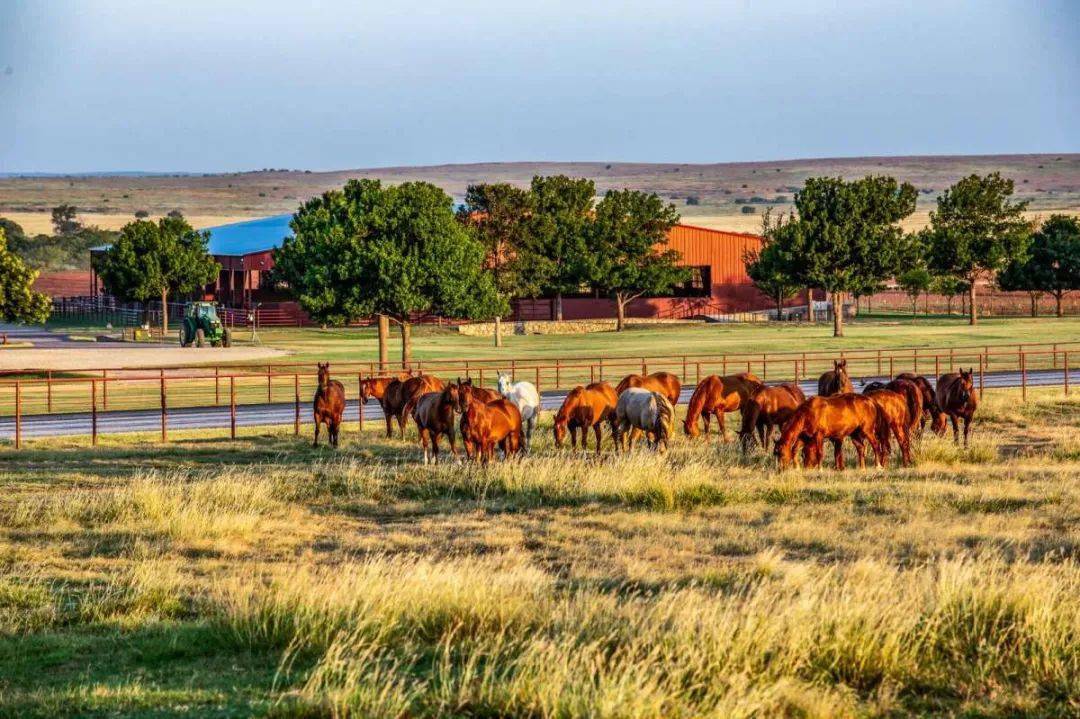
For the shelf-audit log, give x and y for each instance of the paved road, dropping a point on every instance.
(250, 415)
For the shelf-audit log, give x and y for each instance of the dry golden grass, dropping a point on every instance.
(35, 223)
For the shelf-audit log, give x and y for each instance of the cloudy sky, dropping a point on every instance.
(103, 85)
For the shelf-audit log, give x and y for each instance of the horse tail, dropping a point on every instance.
(665, 418)
(624, 384)
(914, 405)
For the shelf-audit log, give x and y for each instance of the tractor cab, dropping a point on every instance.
(202, 326)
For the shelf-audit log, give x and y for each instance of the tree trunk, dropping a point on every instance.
(164, 314)
(384, 340)
(810, 316)
(1057, 301)
(973, 312)
(838, 314)
(498, 331)
(558, 307)
(1034, 306)
(915, 307)
(620, 313)
(948, 306)
(779, 308)
(406, 344)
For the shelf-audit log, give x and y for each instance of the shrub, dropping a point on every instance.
(748, 209)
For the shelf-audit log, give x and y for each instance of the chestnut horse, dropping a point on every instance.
(644, 411)
(482, 393)
(402, 395)
(485, 424)
(716, 395)
(835, 381)
(329, 405)
(769, 407)
(584, 408)
(893, 407)
(434, 416)
(665, 383)
(931, 410)
(914, 396)
(375, 388)
(832, 418)
(956, 397)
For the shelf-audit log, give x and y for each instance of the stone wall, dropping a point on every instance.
(567, 327)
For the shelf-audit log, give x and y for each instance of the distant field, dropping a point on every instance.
(34, 223)
(1050, 182)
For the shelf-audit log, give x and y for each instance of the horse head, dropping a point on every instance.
(503, 383)
(324, 374)
(840, 367)
(966, 385)
(451, 394)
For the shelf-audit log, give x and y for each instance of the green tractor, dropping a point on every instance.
(201, 326)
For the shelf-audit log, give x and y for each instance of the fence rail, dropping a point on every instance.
(88, 398)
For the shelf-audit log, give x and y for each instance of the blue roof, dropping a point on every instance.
(242, 238)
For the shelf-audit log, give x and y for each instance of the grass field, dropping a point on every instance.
(209, 578)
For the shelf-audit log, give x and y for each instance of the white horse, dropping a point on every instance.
(646, 411)
(526, 399)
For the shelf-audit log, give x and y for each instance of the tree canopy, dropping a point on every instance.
(65, 220)
(556, 249)
(1052, 264)
(18, 301)
(772, 268)
(915, 282)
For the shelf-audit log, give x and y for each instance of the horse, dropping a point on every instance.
(329, 405)
(376, 387)
(835, 381)
(931, 410)
(585, 407)
(956, 397)
(833, 418)
(665, 383)
(871, 386)
(716, 395)
(769, 407)
(914, 396)
(483, 393)
(526, 399)
(434, 416)
(485, 424)
(400, 398)
(894, 410)
(644, 410)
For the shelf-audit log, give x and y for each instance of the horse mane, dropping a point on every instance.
(665, 417)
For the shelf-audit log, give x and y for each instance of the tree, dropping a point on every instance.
(395, 251)
(18, 301)
(64, 220)
(175, 213)
(948, 287)
(624, 242)
(141, 214)
(14, 232)
(846, 236)
(555, 253)
(976, 231)
(500, 216)
(914, 282)
(1055, 257)
(155, 260)
(771, 268)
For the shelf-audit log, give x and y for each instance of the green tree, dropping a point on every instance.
(500, 216)
(1023, 276)
(65, 220)
(395, 251)
(847, 235)
(771, 268)
(14, 232)
(556, 250)
(1055, 257)
(18, 301)
(948, 286)
(624, 248)
(155, 260)
(976, 231)
(914, 282)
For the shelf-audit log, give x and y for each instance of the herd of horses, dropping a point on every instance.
(644, 405)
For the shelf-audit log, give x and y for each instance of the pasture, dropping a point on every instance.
(215, 578)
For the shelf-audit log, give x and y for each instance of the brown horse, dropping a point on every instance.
(931, 410)
(329, 405)
(401, 396)
(485, 424)
(716, 395)
(665, 383)
(832, 418)
(914, 396)
(482, 393)
(893, 407)
(376, 388)
(956, 397)
(769, 407)
(835, 381)
(585, 407)
(434, 416)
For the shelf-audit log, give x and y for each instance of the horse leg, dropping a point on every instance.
(389, 417)
(904, 441)
(860, 450)
(435, 446)
(723, 424)
(424, 444)
(706, 421)
(838, 453)
(335, 428)
(597, 430)
(967, 429)
(573, 438)
(316, 442)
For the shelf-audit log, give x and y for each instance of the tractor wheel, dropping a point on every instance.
(200, 338)
(226, 338)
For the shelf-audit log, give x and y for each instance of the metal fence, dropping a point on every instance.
(218, 397)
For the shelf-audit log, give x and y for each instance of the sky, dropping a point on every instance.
(214, 86)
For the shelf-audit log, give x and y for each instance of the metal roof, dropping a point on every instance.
(244, 238)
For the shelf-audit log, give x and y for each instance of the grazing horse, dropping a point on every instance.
(400, 398)
(485, 424)
(716, 395)
(376, 388)
(665, 383)
(956, 396)
(893, 407)
(914, 396)
(871, 386)
(482, 393)
(931, 410)
(584, 408)
(832, 418)
(526, 399)
(329, 405)
(643, 410)
(835, 381)
(769, 407)
(434, 416)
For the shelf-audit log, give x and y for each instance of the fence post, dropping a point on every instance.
(915, 358)
(797, 372)
(891, 374)
(724, 366)
(644, 367)
(232, 406)
(269, 387)
(1023, 376)
(601, 369)
(359, 401)
(684, 367)
(1066, 359)
(937, 365)
(164, 409)
(105, 389)
(217, 386)
(93, 412)
(481, 376)
(1054, 366)
(537, 378)
(48, 390)
(764, 367)
(513, 370)
(878, 362)
(296, 404)
(697, 372)
(18, 415)
(983, 362)
(558, 373)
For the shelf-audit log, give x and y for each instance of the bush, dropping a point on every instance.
(693, 200)
(749, 209)
(141, 214)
